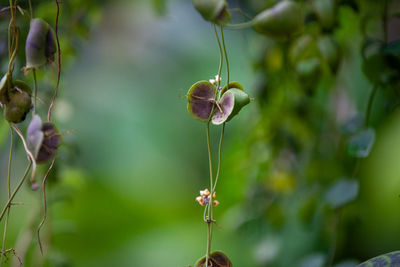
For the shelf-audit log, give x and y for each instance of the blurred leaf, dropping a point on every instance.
(313, 260)
(392, 48)
(160, 6)
(391, 259)
(342, 192)
(347, 263)
(352, 125)
(373, 67)
(360, 145)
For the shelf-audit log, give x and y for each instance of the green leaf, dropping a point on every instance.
(233, 84)
(230, 103)
(392, 48)
(360, 145)
(391, 259)
(342, 192)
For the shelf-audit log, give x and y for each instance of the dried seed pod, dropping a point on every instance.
(43, 139)
(19, 102)
(213, 10)
(217, 258)
(18, 107)
(40, 44)
(282, 21)
(231, 103)
(201, 100)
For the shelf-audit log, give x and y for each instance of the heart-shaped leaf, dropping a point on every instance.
(342, 192)
(360, 145)
(391, 259)
(201, 99)
(230, 104)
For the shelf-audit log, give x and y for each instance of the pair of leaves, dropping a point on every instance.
(201, 101)
(217, 259)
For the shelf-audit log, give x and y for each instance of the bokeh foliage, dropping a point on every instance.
(301, 177)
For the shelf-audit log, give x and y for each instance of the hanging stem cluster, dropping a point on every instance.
(43, 138)
(210, 218)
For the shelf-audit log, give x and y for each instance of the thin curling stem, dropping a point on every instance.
(219, 156)
(44, 205)
(29, 154)
(34, 92)
(210, 210)
(30, 8)
(9, 195)
(226, 55)
(59, 64)
(239, 26)
(221, 60)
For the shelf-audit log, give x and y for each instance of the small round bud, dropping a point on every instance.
(280, 21)
(35, 187)
(213, 10)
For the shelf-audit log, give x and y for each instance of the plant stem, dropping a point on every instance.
(239, 26)
(210, 211)
(10, 199)
(59, 64)
(9, 194)
(220, 63)
(44, 205)
(219, 156)
(226, 55)
(30, 8)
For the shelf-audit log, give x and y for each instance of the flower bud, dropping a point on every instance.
(213, 10)
(281, 21)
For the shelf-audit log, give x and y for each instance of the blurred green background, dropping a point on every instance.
(123, 191)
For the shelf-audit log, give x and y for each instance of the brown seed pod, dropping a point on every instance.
(43, 139)
(18, 102)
